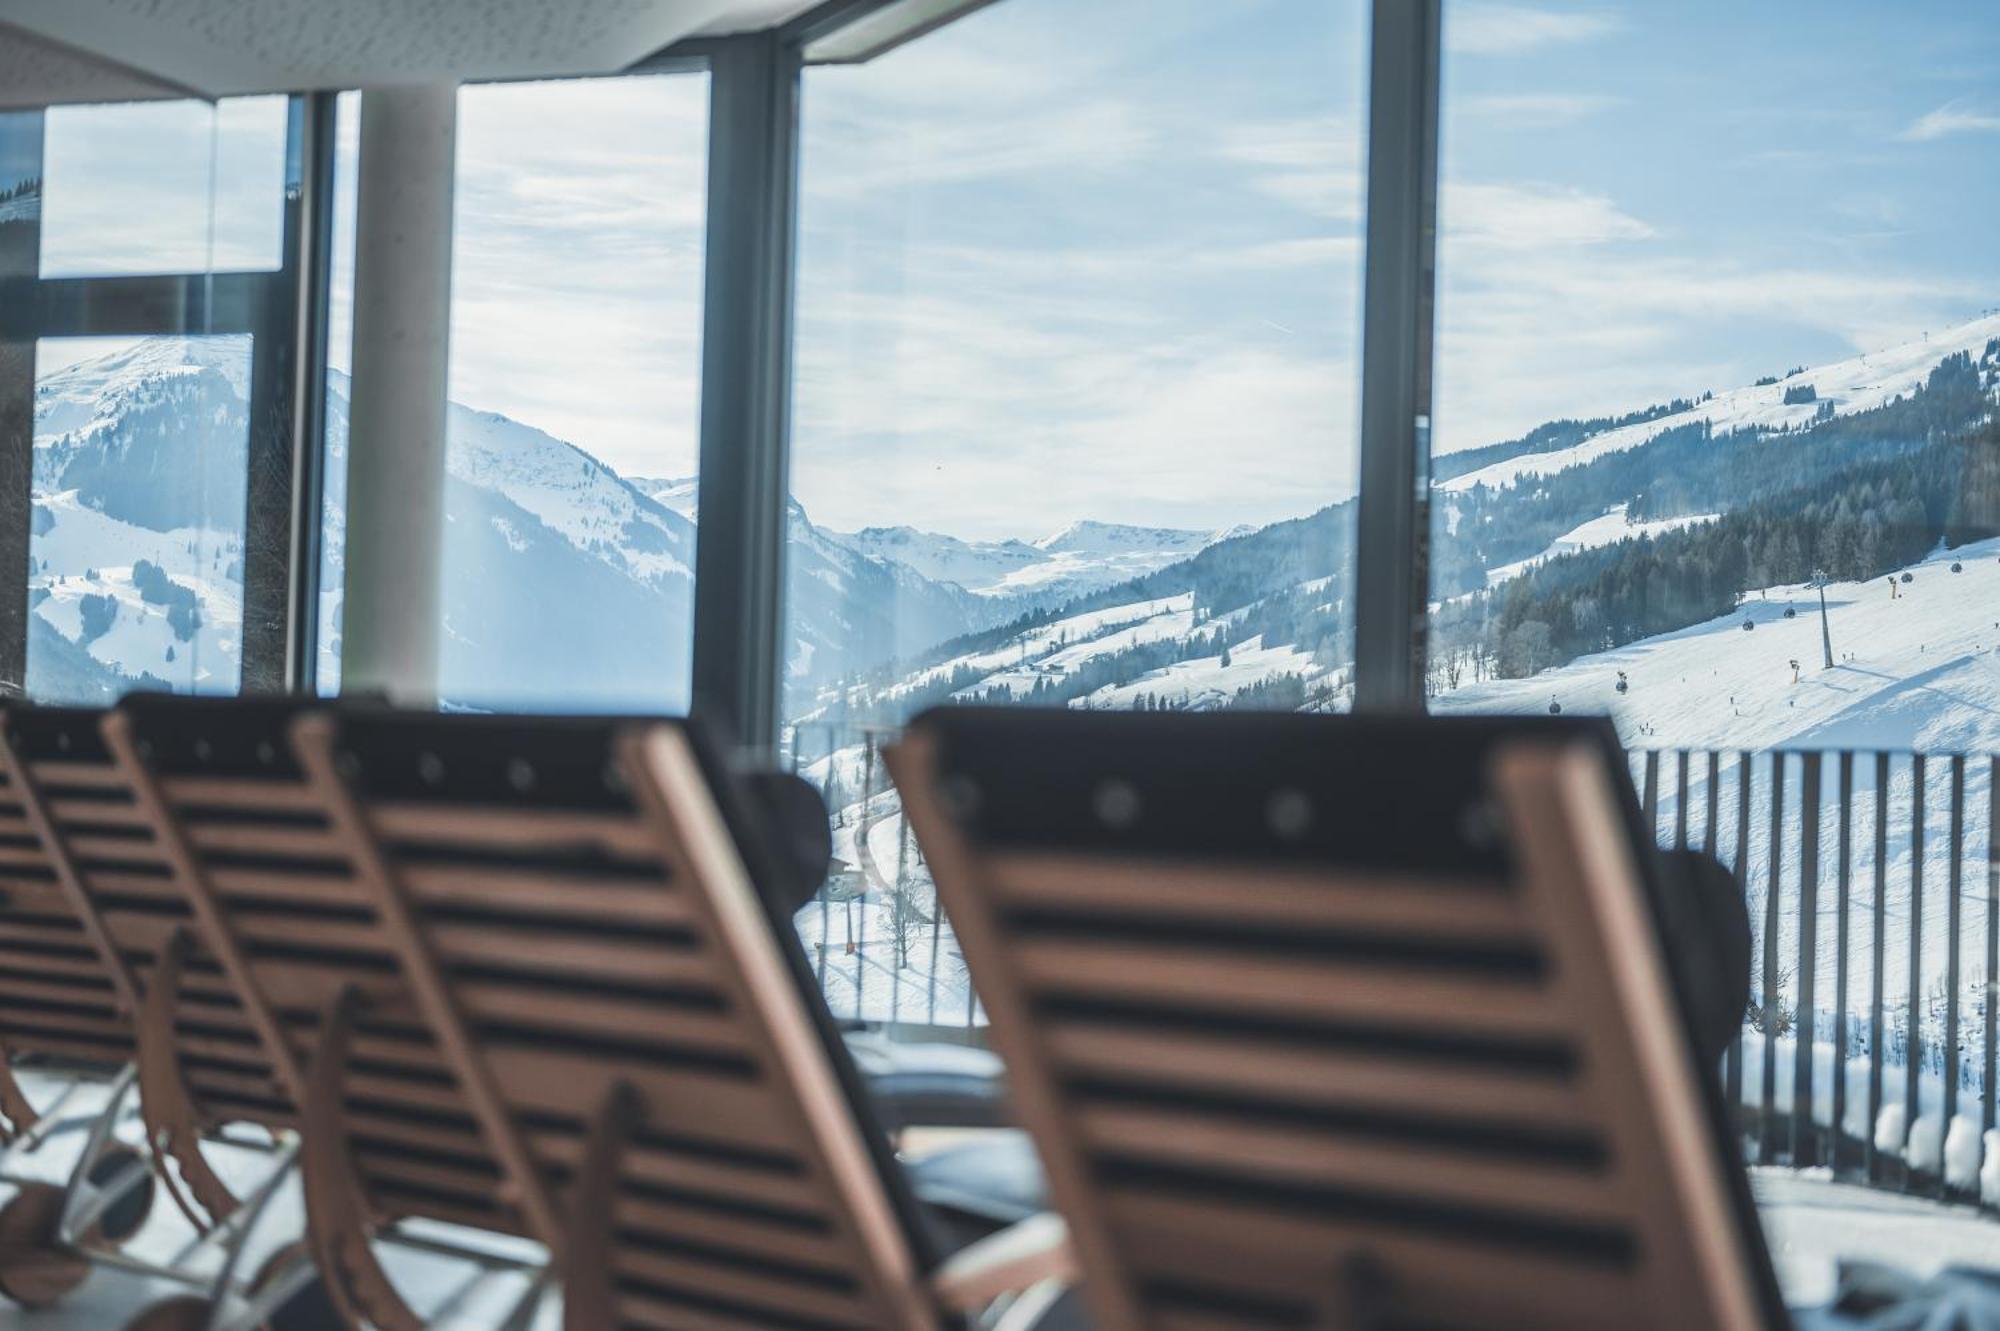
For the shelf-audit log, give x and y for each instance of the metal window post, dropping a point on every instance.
(20, 266)
(739, 631)
(1392, 589)
(281, 525)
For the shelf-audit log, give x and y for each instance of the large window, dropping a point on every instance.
(143, 389)
(575, 366)
(1716, 324)
(1075, 403)
(1717, 365)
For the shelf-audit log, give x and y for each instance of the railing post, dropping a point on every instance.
(1844, 876)
(1682, 759)
(1734, 1074)
(1804, 1028)
(1913, 1050)
(1880, 944)
(1987, 1070)
(1651, 799)
(1954, 919)
(1768, 1015)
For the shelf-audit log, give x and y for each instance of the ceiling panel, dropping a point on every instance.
(225, 47)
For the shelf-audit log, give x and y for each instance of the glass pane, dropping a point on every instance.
(164, 187)
(1075, 405)
(1716, 362)
(136, 554)
(575, 376)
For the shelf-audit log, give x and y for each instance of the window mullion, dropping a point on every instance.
(1391, 560)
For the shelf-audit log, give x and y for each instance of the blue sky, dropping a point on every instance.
(1102, 259)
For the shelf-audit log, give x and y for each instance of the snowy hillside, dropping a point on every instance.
(1843, 388)
(1607, 529)
(1920, 669)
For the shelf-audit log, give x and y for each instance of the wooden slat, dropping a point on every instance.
(1309, 1075)
(546, 893)
(724, 1110)
(770, 1292)
(524, 951)
(52, 773)
(511, 828)
(263, 796)
(221, 838)
(1160, 890)
(1364, 1164)
(1213, 978)
(1279, 1254)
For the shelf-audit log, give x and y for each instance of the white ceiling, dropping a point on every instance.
(220, 48)
(35, 72)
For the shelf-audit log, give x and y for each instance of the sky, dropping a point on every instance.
(1103, 260)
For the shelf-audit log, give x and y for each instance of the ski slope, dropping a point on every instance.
(1919, 670)
(1858, 384)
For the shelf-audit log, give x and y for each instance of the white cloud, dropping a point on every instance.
(1534, 110)
(1952, 118)
(1529, 336)
(1004, 393)
(1532, 217)
(1315, 165)
(577, 263)
(1477, 27)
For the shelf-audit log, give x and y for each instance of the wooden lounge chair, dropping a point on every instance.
(267, 875)
(576, 905)
(1335, 1022)
(77, 944)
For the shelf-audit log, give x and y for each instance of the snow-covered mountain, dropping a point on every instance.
(553, 558)
(1083, 557)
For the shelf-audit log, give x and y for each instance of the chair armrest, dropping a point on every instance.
(1028, 1253)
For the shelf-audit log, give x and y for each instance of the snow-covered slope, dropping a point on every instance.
(1917, 670)
(1857, 384)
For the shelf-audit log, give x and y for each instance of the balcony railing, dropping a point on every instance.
(1870, 1042)
(1873, 880)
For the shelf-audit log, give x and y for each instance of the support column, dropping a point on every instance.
(392, 619)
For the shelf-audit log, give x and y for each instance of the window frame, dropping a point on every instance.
(755, 83)
(283, 311)
(739, 641)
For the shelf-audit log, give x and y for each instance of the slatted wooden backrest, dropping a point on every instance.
(583, 905)
(124, 882)
(270, 877)
(1330, 1022)
(61, 995)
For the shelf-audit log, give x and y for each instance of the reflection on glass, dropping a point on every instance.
(1075, 403)
(136, 555)
(164, 187)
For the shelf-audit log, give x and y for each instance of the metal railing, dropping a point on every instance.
(1873, 880)
(882, 950)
